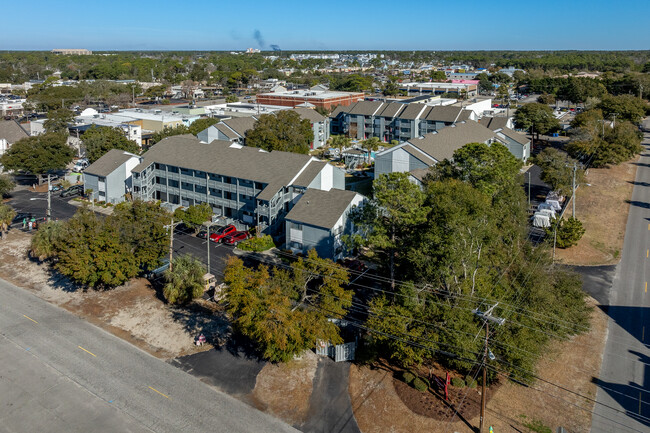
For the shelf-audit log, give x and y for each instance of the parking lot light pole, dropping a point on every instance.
(49, 199)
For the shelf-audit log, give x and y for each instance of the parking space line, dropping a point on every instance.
(155, 390)
(27, 317)
(87, 351)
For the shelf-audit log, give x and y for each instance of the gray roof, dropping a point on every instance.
(341, 109)
(494, 123)
(419, 173)
(276, 168)
(514, 135)
(365, 108)
(240, 125)
(448, 114)
(412, 111)
(109, 162)
(442, 144)
(309, 173)
(392, 109)
(227, 131)
(12, 131)
(321, 208)
(419, 155)
(310, 114)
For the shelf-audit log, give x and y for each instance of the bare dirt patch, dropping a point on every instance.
(381, 405)
(603, 210)
(284, 390)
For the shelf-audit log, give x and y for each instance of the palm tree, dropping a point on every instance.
(370, 145)
(185, 281)
(339, 142)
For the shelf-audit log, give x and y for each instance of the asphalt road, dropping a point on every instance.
(624, 381)
(60, 373)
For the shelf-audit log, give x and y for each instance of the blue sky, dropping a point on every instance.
(328, 25)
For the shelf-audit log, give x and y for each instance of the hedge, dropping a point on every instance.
(408, 376)
(458, 382)
(257, 244)
(419, 384)
(470, 382)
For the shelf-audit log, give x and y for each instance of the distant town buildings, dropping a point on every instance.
(72, 51)
(318, 96)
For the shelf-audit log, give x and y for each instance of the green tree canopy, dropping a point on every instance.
(58, 120)
(6, 185)
(99, 140)
(287, 312)
(557, 170)
(169, 132)
(44, 241)
(38, 154)
(194, 216)
(626, 107)
(184, 280)
(283, 130)
(536, 117)
(201, 124)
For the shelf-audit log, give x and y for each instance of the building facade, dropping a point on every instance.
(110, 176)
(316, 96)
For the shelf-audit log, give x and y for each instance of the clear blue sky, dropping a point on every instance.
(326, 25)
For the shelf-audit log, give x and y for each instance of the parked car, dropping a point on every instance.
(235, 238)
(73, 190)
(354, 265)
(222, 232)
(202, 234)
(56, 187)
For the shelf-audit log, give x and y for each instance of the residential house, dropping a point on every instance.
(518, 144)
(110, 176)
(320, 125)
(244, 183)
(319, 219)
(233, 130)
(10, 132)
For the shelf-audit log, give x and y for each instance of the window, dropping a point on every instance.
(295, 226)
(244, 182)
(187, 186)
(243, 197)
(215, 177)
(187, 172)
(259, 185)
(172, 169)
(200, 189)
(173, 183)
(215, 192)
(200, 174)
(161, 180)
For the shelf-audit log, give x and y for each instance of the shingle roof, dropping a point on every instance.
(414, 111)
(225, 130)
(309, 173)
(11, 131)
(321, 208)
(227, 159)
(444, 143)
(494, 123)
(341, 109)
(419, 155)
(448, 114)
(392, 109)
(365, 108)
(109, 162)
(419, 173)
(514, 135)
(240, 124)
(307, 113)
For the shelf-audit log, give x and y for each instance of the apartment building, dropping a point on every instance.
(244, 183)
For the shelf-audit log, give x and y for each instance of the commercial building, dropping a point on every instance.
(10, 132)
(317, 96)
(90, 117)
(243, 183)
(467, 90)
(72, 51)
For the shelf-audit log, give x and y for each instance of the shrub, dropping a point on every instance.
(419, 384)
(458, 382)
(257, 244)
(408, 376)
(469, 380)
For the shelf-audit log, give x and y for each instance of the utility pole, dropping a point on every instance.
(487, 354)
(49, 200)
(640, 91)
(171, 228)
(529, 188)
(573, 195)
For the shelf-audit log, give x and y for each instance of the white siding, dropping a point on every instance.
(400, 161)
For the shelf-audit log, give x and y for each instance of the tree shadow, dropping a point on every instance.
(633, 397)
(631, 319)
(633, 182)
(641, 164)
(637, 203)
(58, 281)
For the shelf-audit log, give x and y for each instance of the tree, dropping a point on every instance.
(546, 98)
(7, 215)
(155, 91)
(386, 221)
(626, 107)
(339, 142)
(391, 88)
(231, 98)
(201, 124)
(537, 118)
(44, 241)
(489, 168)
(557, 170)
(169, 132)
(370, 145)
(99, 140)
(58, 120)
(287, 312)
(184, 281)
(438, 76)
(617, 145)
(142, 228)
(283, 130)
(38, 154)
(194, 216)
(6, 185)
(568, 233)
(90, 252)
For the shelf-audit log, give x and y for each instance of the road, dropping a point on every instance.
(624, 381)
(60, 373)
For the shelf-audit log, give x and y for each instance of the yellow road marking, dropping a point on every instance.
(647, 253)
(87, 351)
(646, 287)
(154, 389)
(27, 317)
